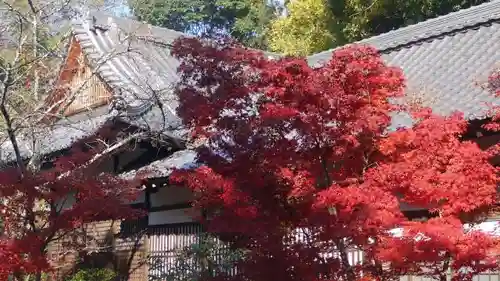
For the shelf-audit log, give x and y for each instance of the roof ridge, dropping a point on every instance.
(144, 30)
(459, 20)
(158, 30)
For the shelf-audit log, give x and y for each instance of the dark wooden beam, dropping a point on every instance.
(150, 155)
(418, 214)
(147, 202)
(171, 207)
(475, 129)
(116, 163)
(173, 227)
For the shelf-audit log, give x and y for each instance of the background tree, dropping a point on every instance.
(305, 30)
(337, 22)
(245, 20)
(301, 168)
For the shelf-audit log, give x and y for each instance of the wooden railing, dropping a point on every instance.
(186, 249)
(166, 243)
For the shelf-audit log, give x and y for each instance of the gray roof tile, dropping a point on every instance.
(59, 136)
(183, 159)
(132, 58)
(64, 133)
(446, 59)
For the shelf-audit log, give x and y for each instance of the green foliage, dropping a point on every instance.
(317, 25)
(304, 31)
(94, 274)
(33, 277)
(362, 18)
(245, 20)
(251, 29)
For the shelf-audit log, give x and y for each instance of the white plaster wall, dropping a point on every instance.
(170, 195)
(491, 227)
(171, 216)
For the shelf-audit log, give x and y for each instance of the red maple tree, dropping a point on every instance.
(50, 206)
(493, 86)
(301, 167)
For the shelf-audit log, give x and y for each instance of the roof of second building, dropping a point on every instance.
(446, 59)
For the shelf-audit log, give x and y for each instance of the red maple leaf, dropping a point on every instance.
(301, 168)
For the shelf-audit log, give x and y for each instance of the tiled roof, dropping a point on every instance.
(183, 159)
(444, 59)
(134, 60)
(62, 134)
(131, 57)
(59, 136)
